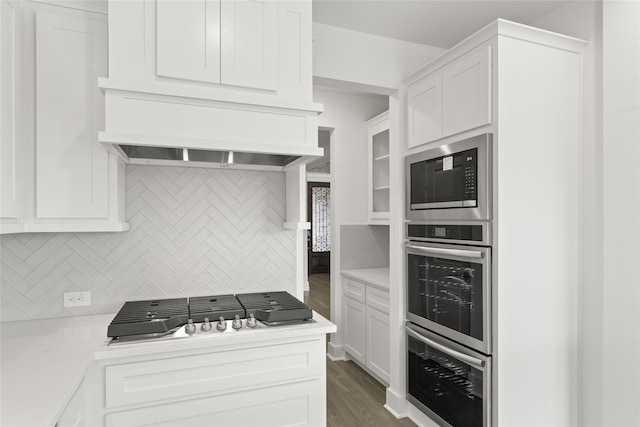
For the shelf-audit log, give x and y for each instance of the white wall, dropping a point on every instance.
(610, 296)
(345, 114)
(371, 63)
(621, 219)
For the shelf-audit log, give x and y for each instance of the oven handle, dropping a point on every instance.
(442, 251)
(453, 353)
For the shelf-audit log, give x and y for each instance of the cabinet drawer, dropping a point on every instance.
(378, 299)
(300, 404)
(177, 377)
(353, 289)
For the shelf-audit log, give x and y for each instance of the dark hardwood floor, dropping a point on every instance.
(354, 398)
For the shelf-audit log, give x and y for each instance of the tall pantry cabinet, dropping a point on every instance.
(522, 85)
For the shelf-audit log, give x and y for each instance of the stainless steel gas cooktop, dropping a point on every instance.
(183, 317)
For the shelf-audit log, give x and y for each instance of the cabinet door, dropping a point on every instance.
(378, 159)
(10, 191)
(354, 329)
(425, 110)
(249, 43)
(300, 403)
(378, 343)
(72, 167)
(467, 92)
(189, 39)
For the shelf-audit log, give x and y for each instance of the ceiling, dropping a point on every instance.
(432, 22)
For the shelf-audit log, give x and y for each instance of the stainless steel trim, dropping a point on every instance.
(445, 252)
(485, 344)
(483, 206)
(453, 353)
(486, 232)
(440, 205)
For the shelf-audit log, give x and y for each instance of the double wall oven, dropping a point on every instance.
(449, 286)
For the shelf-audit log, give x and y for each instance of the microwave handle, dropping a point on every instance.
(453, 353)
(442, 251)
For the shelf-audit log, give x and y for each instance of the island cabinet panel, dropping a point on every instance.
(285, 405)
(178, 377)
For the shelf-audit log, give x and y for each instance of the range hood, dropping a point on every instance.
(188, 157)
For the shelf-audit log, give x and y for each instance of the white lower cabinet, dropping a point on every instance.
(279, 382)
(366, 326)
(355, 329)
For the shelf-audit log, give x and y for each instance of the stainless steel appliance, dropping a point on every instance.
(447, 381)
(164, 319)
(449, 286)
(451, 182)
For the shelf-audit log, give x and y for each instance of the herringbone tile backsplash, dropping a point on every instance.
(193, 232)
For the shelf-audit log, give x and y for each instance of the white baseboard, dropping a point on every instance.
(396, 404)
(336, 352)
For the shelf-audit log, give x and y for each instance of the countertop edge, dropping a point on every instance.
(378, 277)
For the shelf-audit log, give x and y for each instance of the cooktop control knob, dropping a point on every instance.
(221, 325)
(206, 325)
(251, 321)
(237, 323)
(190, 328)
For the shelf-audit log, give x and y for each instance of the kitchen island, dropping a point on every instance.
(67, 370)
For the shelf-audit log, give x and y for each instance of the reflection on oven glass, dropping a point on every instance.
(447, 292)
(447, 386)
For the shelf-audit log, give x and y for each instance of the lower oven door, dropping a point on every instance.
(449, 291)
(447, 381)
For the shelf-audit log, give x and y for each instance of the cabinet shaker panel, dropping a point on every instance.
(467, 92)
(355, 333)
(72, 167)
(189, 40)
(249, 44)
(425, 110)
(10, 203)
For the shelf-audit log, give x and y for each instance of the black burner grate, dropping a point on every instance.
(213, 307)
(275, 307)
(149, 317)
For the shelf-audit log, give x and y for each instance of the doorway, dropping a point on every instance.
(319, 237)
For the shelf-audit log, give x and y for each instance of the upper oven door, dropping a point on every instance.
(449, 291)
(450, 182)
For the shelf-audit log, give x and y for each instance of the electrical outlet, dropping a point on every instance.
(77, 299)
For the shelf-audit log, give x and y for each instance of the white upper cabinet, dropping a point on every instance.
(249, 47)
(212, 75)
(425, 110)
(378, 162)
(466, 89)
(72, 167)
(68, 181)
(189, 40)
(452, 99)
(10, 151)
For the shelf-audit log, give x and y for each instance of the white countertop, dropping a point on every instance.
(378, 277)
(44, 361)
(42, 364)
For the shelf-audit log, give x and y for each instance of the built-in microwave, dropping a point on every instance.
(451, 182)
